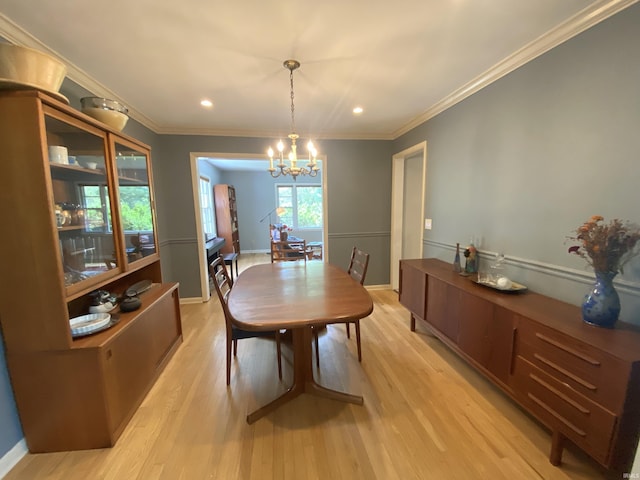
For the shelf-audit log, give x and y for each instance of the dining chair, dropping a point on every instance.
(284, 251)
(223, 285)
(357, 270)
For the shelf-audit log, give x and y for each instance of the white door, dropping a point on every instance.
(407, 206)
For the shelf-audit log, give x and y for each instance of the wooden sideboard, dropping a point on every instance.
(581, 381)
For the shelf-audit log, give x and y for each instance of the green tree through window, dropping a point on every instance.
(303, 204)
(135, 207)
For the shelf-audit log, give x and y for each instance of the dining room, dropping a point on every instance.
(425, 413)
(561, 124)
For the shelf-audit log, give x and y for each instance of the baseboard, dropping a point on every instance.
(12, 457)
(188, 300)
(378, 287)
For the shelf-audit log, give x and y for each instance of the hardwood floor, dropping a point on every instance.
(426, 414)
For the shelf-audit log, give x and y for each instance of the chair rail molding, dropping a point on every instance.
(558, 271)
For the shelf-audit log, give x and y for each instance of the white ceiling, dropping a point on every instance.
(402, 61)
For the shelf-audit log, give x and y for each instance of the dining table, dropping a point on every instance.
(297, 296)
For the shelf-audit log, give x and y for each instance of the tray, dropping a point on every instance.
(139, 287)
(515, 286)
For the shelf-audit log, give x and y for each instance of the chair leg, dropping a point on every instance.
(235, 348)
(279, 351)
(358, 340)
(228, 362)
(348, 330)
(315, 338)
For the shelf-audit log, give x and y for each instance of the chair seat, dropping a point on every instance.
(238, 333)
(228, 259)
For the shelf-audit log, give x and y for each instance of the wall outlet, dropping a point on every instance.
(427, 223)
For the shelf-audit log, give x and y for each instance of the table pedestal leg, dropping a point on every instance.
(303, 381)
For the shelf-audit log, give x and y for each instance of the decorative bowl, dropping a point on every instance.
(109, 112)
(22, 67)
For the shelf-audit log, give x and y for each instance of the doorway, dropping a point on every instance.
(409, 171)
(258, 193)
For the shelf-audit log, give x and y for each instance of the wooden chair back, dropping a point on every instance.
(288, 251)
(358, 265)
(223, 285)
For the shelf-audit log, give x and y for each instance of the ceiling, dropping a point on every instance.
(402, 62)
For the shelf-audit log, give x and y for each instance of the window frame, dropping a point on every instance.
(294, 201)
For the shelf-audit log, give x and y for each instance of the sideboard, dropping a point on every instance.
(581, 381)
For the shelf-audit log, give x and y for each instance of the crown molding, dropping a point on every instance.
(580, 22)
(18, 36)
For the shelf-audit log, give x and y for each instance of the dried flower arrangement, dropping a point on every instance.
(607, 247)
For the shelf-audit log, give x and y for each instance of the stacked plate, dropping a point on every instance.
(86, 324)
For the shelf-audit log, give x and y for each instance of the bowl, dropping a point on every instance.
(91, 165)
(109, 112)
(27, 67)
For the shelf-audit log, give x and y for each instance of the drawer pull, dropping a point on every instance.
(569, 350)
(573, 377)
(557, 416)
(559, 394)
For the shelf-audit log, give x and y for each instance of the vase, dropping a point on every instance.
(601, 305)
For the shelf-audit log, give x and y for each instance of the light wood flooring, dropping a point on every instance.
(426, 414)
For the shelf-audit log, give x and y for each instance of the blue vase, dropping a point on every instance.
(601, 307)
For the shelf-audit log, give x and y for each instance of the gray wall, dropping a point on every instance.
(356, 216)
(525, 161)
(10, 430)
(256, 197)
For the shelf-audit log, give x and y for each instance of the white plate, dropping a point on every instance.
(89, 323)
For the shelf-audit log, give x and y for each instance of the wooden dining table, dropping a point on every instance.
(296, 296)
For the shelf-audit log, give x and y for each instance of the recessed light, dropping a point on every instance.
(358, 110)
(206, 103)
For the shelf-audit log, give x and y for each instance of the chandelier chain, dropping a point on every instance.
(293, 121)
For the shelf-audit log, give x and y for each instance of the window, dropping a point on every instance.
(134, 207)
(303, 205)
(97, 208)
(207, 208)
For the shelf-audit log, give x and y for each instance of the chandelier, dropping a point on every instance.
(293, 168)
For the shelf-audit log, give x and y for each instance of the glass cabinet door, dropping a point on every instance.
(81, 201)
(135, 202)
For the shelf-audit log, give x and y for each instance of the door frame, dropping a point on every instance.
(202, 257)
(397, 205)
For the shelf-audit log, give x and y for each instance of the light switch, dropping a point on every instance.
(427, 224)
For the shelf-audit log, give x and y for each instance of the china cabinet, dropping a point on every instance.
(81, 219)
(227, 217)
(581, 381)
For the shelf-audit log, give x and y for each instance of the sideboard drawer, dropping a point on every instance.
(597, 375)
(561, 408)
